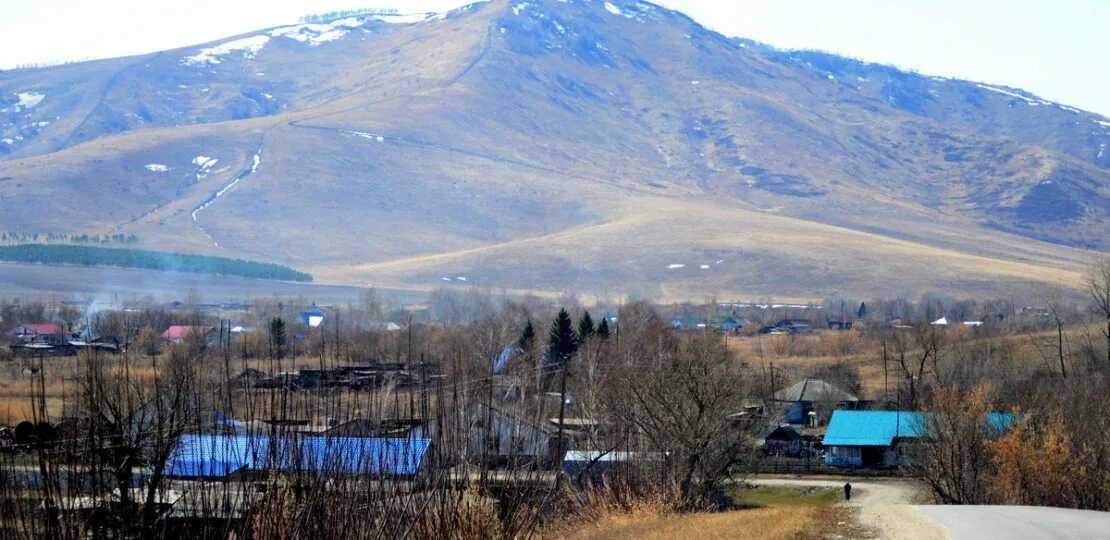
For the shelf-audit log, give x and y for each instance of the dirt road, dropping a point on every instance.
(885, 506)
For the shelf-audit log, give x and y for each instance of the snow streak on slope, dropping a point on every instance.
(257, 160)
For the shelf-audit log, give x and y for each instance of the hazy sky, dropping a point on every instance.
(1058, 49)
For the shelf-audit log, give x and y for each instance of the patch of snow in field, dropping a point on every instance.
(519, 8)
(268, 96)
(719, 261)
(445, 278)
(27, 100)
(695, 82)
(559, 27)
(461, 278)
(182, 86)
(204, 162)
(156, 167)
(675, 266)
(704, 267)
(612, 9)
(8, 141)
(248, 46)
(830, 76)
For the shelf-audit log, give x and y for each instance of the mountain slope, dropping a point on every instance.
(597, 146)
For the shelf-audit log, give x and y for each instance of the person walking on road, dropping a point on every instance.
(847, 491)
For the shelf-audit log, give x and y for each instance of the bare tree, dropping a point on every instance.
(1098, 285)
(682, 406)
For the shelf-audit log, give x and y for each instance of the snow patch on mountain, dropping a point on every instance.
(612, 9)
(1005, 92)
(27, 100)
(316, 33)
(248, 47)
(156, 167)
(204, 162)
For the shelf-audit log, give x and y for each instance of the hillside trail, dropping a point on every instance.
(886, 506)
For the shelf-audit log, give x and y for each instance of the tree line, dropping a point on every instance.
(121, 238)
(153, 260)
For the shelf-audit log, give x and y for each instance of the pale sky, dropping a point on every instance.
(1058, 49)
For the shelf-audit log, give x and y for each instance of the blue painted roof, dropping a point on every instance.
(1000, 422)
(880, 428)
(503, 359)
(872, 428)
(204, 455)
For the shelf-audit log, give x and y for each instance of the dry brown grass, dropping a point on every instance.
(769, 523)
(14, 410)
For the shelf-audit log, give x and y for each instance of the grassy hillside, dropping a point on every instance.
(558, 146)
(135, 258)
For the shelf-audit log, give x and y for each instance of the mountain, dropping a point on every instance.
(552, 145)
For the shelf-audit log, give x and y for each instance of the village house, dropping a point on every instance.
(806, 395)
(689, 323)
(504, 435)
(216, 456)
(789, 326)
(177, 334)
(878, 438)
(44, 333)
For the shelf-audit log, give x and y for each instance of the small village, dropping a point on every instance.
(385, 398)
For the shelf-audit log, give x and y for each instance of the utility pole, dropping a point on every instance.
(886, 384)
(562, 412)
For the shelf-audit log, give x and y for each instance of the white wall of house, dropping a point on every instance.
(844, 456)
(852, 456)
(508, 437)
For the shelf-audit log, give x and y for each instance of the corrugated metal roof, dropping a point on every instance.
(879, 428)
(203, 455)
(872, 428)
(813, 390)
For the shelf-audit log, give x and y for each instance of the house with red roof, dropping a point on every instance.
(48, 333)
(177, 334)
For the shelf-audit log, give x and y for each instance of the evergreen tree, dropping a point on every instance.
(527, 338)
(862, 313)
(277, 337)
(603, 329)
(585, 327)
(562, 342)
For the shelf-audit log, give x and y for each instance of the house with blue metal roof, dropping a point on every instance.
(872, 438)
(217, 456)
